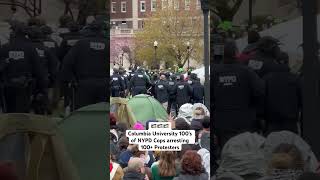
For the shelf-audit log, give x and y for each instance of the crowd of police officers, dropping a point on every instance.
(37, 71)
(254, 90)
(171, 89)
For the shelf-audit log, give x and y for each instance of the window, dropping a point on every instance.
(142, 6)
(176, 4)
(113, 7)
(164, 4)
(170, 3)
(198, 4)
(123, 6)
(187, 4)
(154, 5)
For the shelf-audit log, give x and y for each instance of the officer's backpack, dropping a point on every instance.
(32, 143)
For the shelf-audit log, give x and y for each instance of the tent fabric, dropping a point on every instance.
(85, 132)
(243, 155)
(277, 138)
(145, 107)
(122, 110)
(42, 157)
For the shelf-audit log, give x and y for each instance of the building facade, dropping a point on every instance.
(129, 14)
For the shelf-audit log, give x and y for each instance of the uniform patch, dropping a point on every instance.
(255, 65)
(160, 86)
(228, 80)
(49, 44)
(181, 86)
(140, 76)
(40, 52)
(115, 79)
(171, 83)
(189, 82)
(72, 42)
(16, 55)
(97, 46)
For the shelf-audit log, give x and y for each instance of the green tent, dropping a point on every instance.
(145, 107)
(85, 136)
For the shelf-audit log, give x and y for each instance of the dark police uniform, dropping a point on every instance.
(184, 92)
(85, 62)
(161, 91)
(172, 101)
(198, 92)
(138, 84)
(235, 91)
(49, 62)
(117, 85)
(20, 67)
(68, 41)
(283, 100)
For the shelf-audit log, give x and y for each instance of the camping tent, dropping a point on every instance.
(145, 107)
(85, 134)
(32, 143)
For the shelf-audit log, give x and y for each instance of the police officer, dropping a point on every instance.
(154, 81)
(162, 91)
(69, 39)
(21, 71)
(184, 92)
(172, 90)
(85, 64)
(198, 91)
(139, 83)
(117, 84)
(236, 91)
(47, 40)
(266, 55)
(124, 77)
(283, 98)
(49, 63)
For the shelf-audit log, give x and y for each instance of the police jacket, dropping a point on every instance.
(69, 40)
(283, 95)
(198, 91)
(262, 63)
(139, 80)
(172, 90)
(48, 60)
(236, 91)
(117, 83)
(184, 92)
(51, 45)
(86, 59)
(162, 91)
(19, 59)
